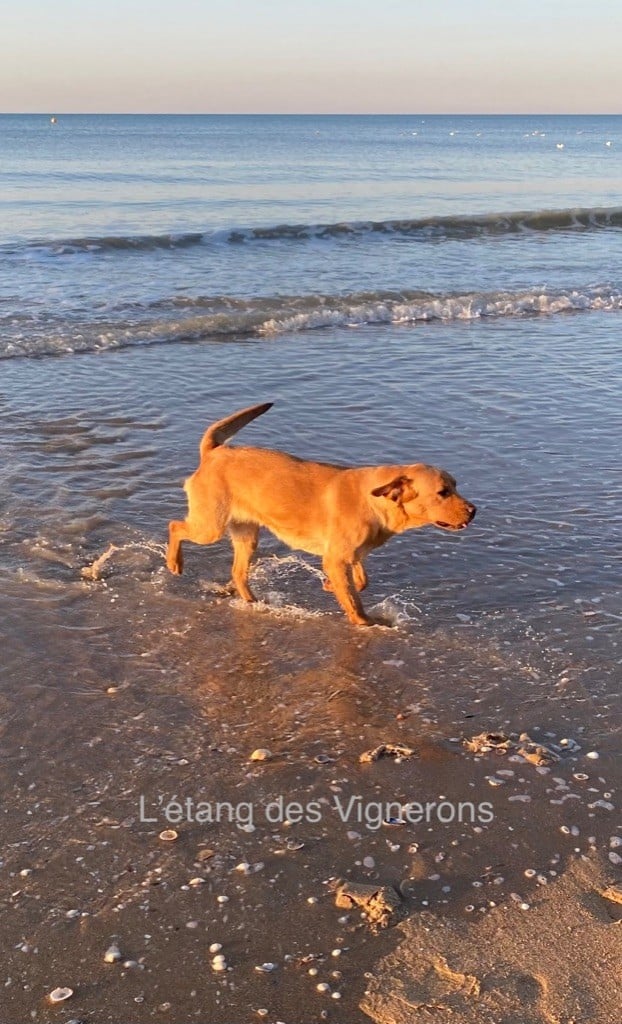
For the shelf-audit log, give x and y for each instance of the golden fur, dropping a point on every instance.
(340, 513)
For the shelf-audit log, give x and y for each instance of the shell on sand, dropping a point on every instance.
(58, 995)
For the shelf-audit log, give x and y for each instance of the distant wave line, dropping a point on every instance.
(422, 229)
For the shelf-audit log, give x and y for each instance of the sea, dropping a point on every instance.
(404, 288)
(444, 289)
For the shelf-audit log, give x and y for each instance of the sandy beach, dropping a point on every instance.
(503, 921)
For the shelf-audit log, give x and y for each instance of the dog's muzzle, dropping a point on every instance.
(470, 512)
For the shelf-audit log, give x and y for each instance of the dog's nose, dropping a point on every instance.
(471, 510)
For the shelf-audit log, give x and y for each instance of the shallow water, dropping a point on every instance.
(524, 415)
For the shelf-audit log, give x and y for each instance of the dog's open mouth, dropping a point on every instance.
(449, 526)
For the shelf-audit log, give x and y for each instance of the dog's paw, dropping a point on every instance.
(378, 620)
(241, 590)
(175, 565)
(361, 620)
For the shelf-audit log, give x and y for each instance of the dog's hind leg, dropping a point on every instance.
(244, 540)
(359, 576)
(187, 529)
(177, 531)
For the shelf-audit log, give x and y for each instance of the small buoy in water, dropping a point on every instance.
(53, 120)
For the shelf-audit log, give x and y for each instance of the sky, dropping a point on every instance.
(311, 56)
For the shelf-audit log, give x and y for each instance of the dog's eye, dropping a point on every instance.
(446, 491)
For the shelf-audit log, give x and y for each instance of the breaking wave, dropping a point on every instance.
(183, 319)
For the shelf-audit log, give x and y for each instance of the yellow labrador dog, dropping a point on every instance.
(338, 512)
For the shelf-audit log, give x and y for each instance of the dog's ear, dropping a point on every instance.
(397, 490)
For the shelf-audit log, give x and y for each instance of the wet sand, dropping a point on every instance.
(131, 705)
(98, 763)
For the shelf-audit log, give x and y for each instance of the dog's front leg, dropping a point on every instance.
(359, 578)
(339, 574)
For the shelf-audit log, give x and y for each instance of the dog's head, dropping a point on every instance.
(424, 495)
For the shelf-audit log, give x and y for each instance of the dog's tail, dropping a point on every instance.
(221, 431)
